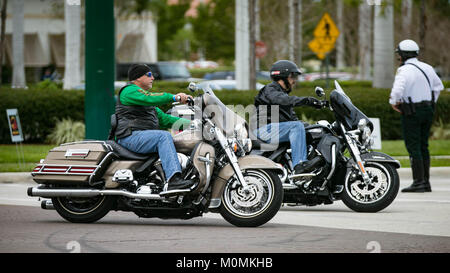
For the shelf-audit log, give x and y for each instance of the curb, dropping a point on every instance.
(25, 177)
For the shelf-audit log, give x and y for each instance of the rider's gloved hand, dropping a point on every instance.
(314, 103)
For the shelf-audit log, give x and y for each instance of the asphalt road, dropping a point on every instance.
(413, 223)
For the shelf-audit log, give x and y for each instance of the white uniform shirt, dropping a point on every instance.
(410, 82)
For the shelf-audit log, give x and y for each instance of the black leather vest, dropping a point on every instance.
(134, 118)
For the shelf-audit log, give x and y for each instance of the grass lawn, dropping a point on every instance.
(34, 152)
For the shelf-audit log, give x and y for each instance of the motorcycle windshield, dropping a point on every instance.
(223, 117)
(345, 112)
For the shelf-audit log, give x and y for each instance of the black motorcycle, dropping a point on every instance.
(344, 167)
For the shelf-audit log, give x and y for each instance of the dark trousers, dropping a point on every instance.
(416, 131)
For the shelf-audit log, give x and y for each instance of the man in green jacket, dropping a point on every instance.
(139, 121)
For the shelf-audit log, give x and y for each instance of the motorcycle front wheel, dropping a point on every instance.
(374, 196)
(256, 206)
(83, 209)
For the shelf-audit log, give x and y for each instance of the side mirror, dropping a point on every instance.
(319, 91)
(192, 87)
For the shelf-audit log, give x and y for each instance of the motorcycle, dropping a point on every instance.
(85, 180)
(344, 168)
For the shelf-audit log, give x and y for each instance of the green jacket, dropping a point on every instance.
(134, 95)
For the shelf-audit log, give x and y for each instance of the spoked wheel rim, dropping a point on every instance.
(253, 202)
(372, 192)
(81, 205)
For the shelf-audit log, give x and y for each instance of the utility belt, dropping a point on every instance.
(409, 108)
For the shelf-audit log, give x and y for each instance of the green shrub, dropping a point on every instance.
(67, 130)
(39, 111)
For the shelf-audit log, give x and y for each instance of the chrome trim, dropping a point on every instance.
(100, 166)
(48, 193)
(333, 166)
(215, 203)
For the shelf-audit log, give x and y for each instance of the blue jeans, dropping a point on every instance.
(152, 141)
(289, 131)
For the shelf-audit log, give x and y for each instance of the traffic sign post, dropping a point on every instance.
(325, 36)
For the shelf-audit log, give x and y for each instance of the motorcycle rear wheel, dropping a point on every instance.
(373, 197)
(256, 207)
(83, 210)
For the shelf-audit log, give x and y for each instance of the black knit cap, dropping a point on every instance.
(137, 70)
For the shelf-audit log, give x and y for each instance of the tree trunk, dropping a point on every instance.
(406, 18)
(340, 43)
(295, 31)
(365, 41)
(72, 15)
(18, 78)
(423, 26)
(384, 46)
(2, 35)
(252, 39)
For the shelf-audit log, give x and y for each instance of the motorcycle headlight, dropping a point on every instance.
(240, 131)
(247, 144)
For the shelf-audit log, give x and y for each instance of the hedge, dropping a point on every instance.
(39, 110)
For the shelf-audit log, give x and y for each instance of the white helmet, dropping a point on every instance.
(407, 49)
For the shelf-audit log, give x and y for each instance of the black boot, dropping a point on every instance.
(426, 174)
(306, 166)
(419, 184)
(178, 183)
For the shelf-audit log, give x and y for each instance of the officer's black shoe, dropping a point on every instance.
(416, 187)
(177, 183)
(419, 184)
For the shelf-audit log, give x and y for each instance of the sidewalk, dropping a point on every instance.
(404, 173)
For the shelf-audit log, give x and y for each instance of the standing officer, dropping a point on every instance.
(414, 93)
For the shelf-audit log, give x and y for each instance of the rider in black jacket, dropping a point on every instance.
(276, 118)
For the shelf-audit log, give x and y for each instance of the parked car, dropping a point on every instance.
(224, 84)
(341, 76)
(230, 75)
(166, 71)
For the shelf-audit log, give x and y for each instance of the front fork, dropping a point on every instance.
(231, 156)
(356, 155)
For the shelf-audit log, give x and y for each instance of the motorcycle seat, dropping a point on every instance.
(124, 153)
(264, 146)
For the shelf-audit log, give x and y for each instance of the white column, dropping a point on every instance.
(242, 46)
(384, 46)
(73, 42)
(18, 77)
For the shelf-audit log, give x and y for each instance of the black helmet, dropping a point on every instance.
(281, 70)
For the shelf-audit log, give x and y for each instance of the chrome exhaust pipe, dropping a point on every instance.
(49, 193)
(47, 204)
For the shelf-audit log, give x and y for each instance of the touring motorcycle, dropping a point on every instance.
(85, 180)
(344, 167)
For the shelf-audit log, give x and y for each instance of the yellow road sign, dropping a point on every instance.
(326, 34)
(321, 49)
(326, 29)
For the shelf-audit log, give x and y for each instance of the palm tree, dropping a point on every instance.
(365, 40)
(18, 80)
(340, 43)
(2, 35)
(73, 30)
(384, 45)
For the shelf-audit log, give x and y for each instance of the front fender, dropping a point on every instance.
(378, 157)
(245, 163)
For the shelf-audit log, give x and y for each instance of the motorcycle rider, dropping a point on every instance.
(284, 74)
(139, 121)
